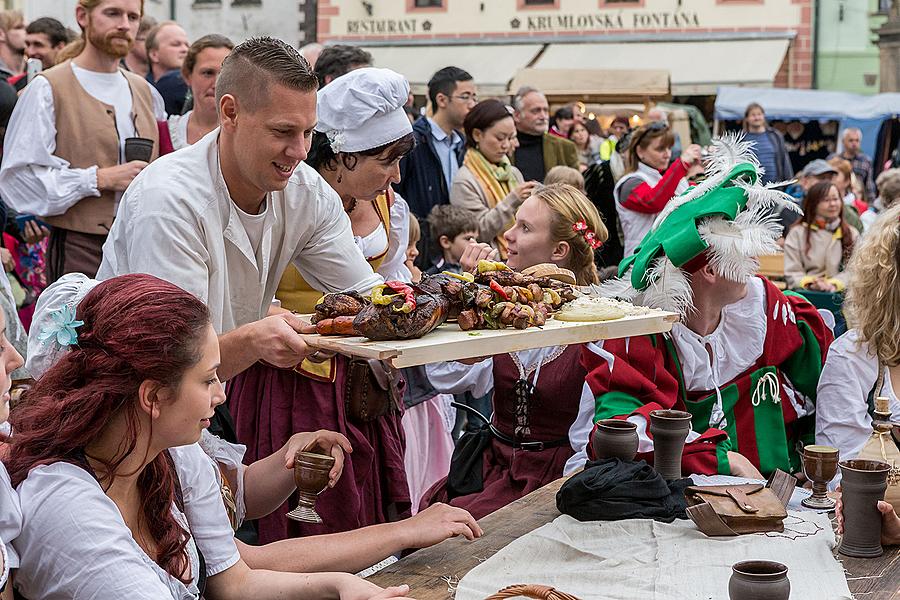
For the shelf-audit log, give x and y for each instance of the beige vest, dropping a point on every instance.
(86, 135)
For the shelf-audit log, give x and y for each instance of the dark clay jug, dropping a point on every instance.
(669, 429)
(615, 438)
(759, 580)
(863, 483)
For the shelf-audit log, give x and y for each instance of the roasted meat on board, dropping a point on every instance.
(495, 298)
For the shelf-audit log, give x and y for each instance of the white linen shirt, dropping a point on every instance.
(10, 525)
(75, 544)
(842, 409)
(34, 180)
(178, 222)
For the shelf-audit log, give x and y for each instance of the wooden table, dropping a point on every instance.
(430, 572)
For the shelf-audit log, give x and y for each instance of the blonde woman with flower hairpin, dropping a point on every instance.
(536, 393)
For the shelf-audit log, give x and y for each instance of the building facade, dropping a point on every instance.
(290, 20)
(702, 43)
(846, 53)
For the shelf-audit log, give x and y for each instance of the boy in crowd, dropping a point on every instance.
(453, 228)
(564, 174)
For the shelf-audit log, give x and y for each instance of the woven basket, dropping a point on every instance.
(539, 592)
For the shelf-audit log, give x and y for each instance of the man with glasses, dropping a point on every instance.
(427, 172)
(538, 151)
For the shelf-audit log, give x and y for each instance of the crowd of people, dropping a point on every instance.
(150, 313)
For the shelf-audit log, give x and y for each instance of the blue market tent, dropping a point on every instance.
(784, 104)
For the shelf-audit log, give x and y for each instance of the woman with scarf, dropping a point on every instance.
(817, 248)
(487, 184)
(650, 181)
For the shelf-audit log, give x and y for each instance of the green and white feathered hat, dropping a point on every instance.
(727, 221)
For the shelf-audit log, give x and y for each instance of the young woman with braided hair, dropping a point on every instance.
(536, 393)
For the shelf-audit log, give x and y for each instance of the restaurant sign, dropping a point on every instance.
(600, 21)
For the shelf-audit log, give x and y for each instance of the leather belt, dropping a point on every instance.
(528, 446)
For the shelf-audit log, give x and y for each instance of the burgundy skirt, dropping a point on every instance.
(508, 474)
(269, 405)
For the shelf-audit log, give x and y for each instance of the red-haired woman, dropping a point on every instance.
(98, 448)
(817, 248)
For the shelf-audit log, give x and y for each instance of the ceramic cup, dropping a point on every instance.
(820, 465)
(614, 438)
(311, 477)
(138, 148)
(669, 429)
(759, 580)
(863, 483)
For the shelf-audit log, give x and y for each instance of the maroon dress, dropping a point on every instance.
(269, 405)
(509, 473)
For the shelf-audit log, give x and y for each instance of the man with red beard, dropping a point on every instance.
(64, 152)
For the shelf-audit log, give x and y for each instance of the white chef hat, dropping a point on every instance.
(364, 109)
(56, 308)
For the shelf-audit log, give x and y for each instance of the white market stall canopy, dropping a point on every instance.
(491, 66)
(597, 85)
(867, 113)
(696, 67)
(786, 104)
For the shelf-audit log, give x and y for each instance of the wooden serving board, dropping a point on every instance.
(449, 342)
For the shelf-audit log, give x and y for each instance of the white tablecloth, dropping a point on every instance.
(639, 559)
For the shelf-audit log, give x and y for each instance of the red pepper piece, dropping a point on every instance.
(499, 289)
(409, 296)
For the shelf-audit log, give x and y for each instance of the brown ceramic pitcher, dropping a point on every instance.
(863, 483)
(615, 438)
(669, 429)
(759, 580)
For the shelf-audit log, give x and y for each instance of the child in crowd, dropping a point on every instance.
(415, 234)
(564, 174)
(453, 228)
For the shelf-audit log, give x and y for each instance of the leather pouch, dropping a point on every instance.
(373, 389)
(719, 510)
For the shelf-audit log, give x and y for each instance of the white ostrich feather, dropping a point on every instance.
(730, 150)
(734, 246)
(669, 288)
(767, 196)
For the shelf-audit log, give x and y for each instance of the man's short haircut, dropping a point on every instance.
(254, 65)
(444, 82)
(564, 112)
(151, 42)
(519, 98)
(888, 184)
(450, 220)
(147, 23)
(55, 31)
(339, 60)
(855, 130)
(9, 19)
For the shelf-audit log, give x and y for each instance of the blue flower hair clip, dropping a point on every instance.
(62, 327)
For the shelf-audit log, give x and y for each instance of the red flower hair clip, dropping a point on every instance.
(581, 228)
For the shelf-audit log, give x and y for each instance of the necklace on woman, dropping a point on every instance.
(349, 209)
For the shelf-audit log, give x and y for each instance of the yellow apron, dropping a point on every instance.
(298, 296)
